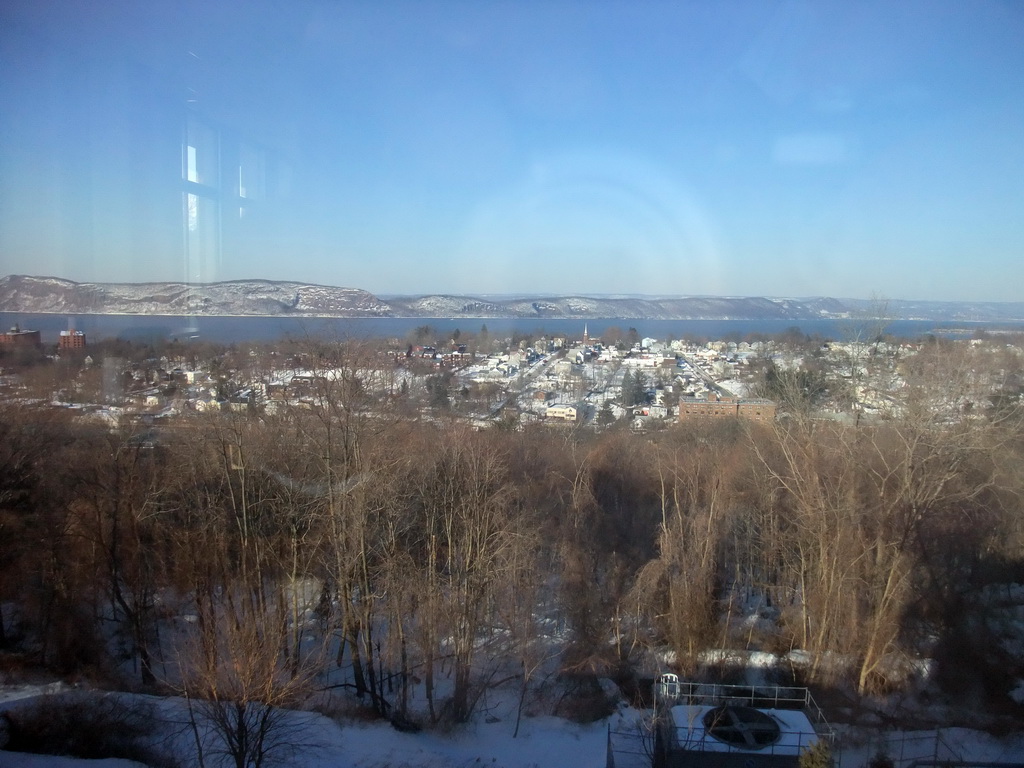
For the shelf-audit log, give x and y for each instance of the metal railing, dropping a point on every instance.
(789, 743)
(637, 746)
(633, 748)
(915, 748)
(757, 696)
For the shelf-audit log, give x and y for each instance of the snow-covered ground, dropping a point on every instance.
(24, 760)
(542, 741)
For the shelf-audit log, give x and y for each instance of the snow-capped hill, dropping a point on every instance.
(445, 306)
(626, 308)
(20, 293)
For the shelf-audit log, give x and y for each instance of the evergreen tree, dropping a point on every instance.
(438, 391)
(639, 388)
(627, 389)
(634, 389)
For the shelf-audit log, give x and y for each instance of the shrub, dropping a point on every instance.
(84, 725)
(584, 700)
(817, 755)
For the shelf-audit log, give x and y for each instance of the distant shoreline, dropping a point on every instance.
(269, 328)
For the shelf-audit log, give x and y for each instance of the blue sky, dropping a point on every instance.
(763, 148)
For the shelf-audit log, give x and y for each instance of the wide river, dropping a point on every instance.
(238, 329)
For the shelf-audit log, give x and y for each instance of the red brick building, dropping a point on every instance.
(754, 409)
(19, 338)
(71, 340)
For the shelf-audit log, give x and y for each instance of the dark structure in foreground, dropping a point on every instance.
(721, 726)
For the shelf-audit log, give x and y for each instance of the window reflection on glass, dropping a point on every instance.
(191, 173)
(251, 172)
(202, 239)
(202, 159)
(202, 155)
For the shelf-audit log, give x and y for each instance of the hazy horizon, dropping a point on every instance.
(776, 149)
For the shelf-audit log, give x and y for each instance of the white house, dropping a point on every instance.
(563, 411)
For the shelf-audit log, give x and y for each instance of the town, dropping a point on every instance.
(617, 379)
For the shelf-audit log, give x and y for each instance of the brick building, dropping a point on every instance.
(71, 340)
(19, 338)
(754, 409)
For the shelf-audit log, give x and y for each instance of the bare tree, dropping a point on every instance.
(250, 654)
(473, 538)
(239, 694)
(846, 571)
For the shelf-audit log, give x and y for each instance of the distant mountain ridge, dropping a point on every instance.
(626, 308)
(50, 295)
(22, 293)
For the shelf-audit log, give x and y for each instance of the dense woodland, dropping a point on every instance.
(415, 561)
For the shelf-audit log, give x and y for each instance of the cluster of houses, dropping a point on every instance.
(549, 380)
(678, 381)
